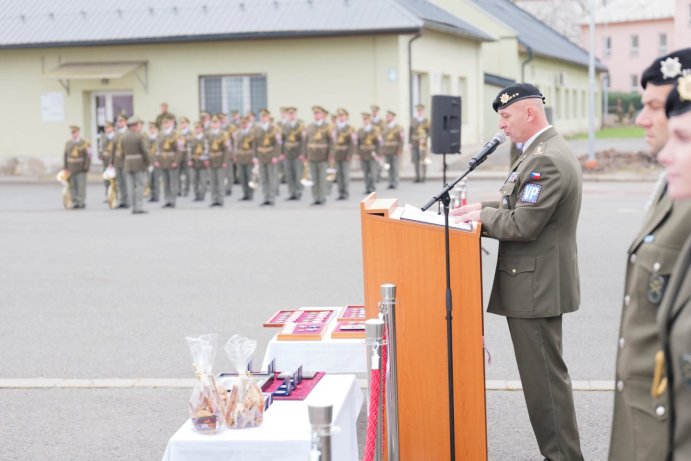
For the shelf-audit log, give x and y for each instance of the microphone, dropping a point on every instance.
(487, 149)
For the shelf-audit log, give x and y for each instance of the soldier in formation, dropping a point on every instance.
(168, 157)
(184, 174)
(268, 154)
(318, 141)
(345, 139)
(293, 153)
(369, 143)
(106, 147)
(243, 157)
(76, 162)
(154, 170)
(118, 161)
(136, 162)
(219, 155)
(418, 135)
(392, 147)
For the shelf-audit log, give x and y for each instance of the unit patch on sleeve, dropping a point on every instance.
(530, 193)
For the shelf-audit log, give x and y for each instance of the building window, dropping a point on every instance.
(663, 43)
(574, 107)
(446, 84)
(567, 104)
(608, 46)
(634, 45)
(634, 82)
(462, 91)
(233, 92)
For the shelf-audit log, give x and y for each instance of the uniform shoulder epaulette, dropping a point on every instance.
(540, 149)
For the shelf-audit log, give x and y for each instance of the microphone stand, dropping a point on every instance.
(444, 198)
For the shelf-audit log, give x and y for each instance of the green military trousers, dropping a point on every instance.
(546, 386)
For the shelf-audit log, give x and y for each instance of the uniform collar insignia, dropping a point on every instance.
(670, 67)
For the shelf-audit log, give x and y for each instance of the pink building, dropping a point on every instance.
(630, 34)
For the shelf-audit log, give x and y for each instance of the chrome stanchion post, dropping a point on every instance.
(374, 332)
(387, 310)
(320, 419)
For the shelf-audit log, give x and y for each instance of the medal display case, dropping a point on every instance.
(349, 330)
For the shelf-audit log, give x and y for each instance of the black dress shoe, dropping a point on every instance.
(341, 197)
(197, 199)
(391, 187)
(213, 205)
(139, 212)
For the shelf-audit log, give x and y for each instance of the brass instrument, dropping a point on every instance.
(306, 180)
(63, 177)
(256, 180)
(112, 195)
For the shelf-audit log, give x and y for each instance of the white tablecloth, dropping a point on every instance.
(285, 433)
(329, 355)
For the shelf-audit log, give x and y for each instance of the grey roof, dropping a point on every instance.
(37, 23)
(536, 35)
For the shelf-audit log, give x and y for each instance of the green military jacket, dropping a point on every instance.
(344, 143)
(368, 143)
(152, 145)
(639, 422)
(77, 156)
(419, 131)
(134, 149)
(219, 148)
(319, 142)
(267, 142)
(198, 151)
(674, 321)
(185, 138)
(293, 139)
(106, 148)
(244, 146)
(118, 154)
(393, 140)
(535, 223)
(169, 154)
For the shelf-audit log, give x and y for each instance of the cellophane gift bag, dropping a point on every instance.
(205, 404)
(244, 404)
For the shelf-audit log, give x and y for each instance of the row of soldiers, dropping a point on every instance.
(218, 151)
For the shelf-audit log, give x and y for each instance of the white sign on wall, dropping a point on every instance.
(53, 107)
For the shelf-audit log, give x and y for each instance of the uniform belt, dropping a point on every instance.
(265, 149)
(317, 146)
(291, 144)
(133, 155)
(342, 147)
(391, 144)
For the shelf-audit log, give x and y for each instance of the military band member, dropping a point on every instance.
(219, 155)
(198, 161)
(268, 148)
(392, 147)
(419, 133)
(77, 160)
(205, 118)
(230, 176)
(368, 145)
(674, 316)
(345, 140)
(293, 147)
(184, 174)
(154, 170)
(168, 158)
(235, 118)
(318, 142)
(537, 277)
(639, 421)
(377, 121)
(119, 163)
(251, 119)
(164, 113)
(137, 161)
(244, 155)
(106, 148)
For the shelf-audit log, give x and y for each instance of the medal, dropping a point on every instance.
(656, 287)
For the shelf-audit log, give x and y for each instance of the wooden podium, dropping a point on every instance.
(411, 256)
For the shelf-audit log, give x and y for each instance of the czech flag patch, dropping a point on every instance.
(535, 176)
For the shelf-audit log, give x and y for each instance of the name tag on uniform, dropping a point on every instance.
(513, 177)
(530, 193)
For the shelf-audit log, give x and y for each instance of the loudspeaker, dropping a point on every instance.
(446, 124)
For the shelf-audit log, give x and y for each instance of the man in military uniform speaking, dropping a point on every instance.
(537, 279)
(640, 417)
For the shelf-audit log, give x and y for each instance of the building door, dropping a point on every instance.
(105, 107)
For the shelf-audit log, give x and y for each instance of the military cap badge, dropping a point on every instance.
(684, 88)
(670, 67)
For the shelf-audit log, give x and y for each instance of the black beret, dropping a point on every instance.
(514, 93)
(679, 100)
(666, 69)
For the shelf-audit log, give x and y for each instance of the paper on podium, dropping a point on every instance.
(413, 213)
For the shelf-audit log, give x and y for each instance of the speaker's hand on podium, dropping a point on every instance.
(467, 213)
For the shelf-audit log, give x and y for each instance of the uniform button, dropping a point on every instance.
(660, 411)
(632, 258)
(656, 267)
(627, 300)
(513, 271)
(620, 385)
(622, 341)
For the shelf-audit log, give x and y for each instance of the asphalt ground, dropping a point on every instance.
(100, 293)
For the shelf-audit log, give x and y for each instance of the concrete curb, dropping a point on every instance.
(153, 383)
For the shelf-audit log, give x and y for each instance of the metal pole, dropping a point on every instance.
(374, 333)
(591, 83)
(320, 419)
(388, 310)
